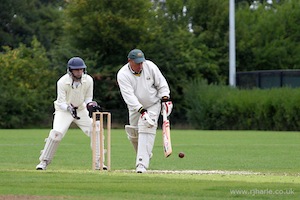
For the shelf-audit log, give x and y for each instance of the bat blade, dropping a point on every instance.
(166, 137)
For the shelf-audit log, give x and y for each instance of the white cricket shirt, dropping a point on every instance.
(143, 90)
(78, 95)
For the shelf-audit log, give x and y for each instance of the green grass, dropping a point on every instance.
(271, 158)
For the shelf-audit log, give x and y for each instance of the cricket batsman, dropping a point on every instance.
(74, 104)
(144, 90)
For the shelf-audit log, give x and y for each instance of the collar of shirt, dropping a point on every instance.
(133, 72)
(76, 84)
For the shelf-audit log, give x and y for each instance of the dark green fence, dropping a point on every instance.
(268, 79)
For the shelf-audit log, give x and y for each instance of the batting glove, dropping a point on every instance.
(167, 105)
(73, 111)
(93, 107)
(146, 118)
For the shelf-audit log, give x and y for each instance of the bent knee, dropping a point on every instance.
(55, 135)
(132, 132)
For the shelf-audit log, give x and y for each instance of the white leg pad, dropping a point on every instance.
(132, 135)
(51, 145)
(98, 157)
(145, 146)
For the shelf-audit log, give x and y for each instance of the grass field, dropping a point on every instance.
(217, 165)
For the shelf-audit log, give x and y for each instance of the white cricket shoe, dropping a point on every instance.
(98, 167)
(42, 165)
(141, 169)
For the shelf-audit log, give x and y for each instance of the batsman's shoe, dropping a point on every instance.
(141, 169)
(42, 165)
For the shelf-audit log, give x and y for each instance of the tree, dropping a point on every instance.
(106, 30)
(20, 21)
(29, 91)
(268, 39)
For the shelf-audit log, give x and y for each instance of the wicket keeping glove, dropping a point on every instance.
(146, 118)
(167, 105)
(73, 111)
(93, 107)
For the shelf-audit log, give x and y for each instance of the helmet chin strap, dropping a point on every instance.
(74, 78)
(75, 81)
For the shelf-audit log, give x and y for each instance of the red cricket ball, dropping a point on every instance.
(181, 155)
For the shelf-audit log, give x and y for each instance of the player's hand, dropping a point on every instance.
(147, 120)
(167, 105)
(93, 107)
(73, 111)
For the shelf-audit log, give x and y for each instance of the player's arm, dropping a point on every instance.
(62, 95)
(88, 96)
(62, 101)
(160, 81)
(127, 92)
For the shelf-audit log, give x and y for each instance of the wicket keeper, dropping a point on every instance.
(75, 104)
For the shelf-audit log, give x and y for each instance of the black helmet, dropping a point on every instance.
(76, 63)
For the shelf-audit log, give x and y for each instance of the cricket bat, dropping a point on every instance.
(166, 135)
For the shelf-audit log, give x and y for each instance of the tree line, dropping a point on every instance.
(187, 39)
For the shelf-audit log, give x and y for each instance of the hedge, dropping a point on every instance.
(217, 107)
